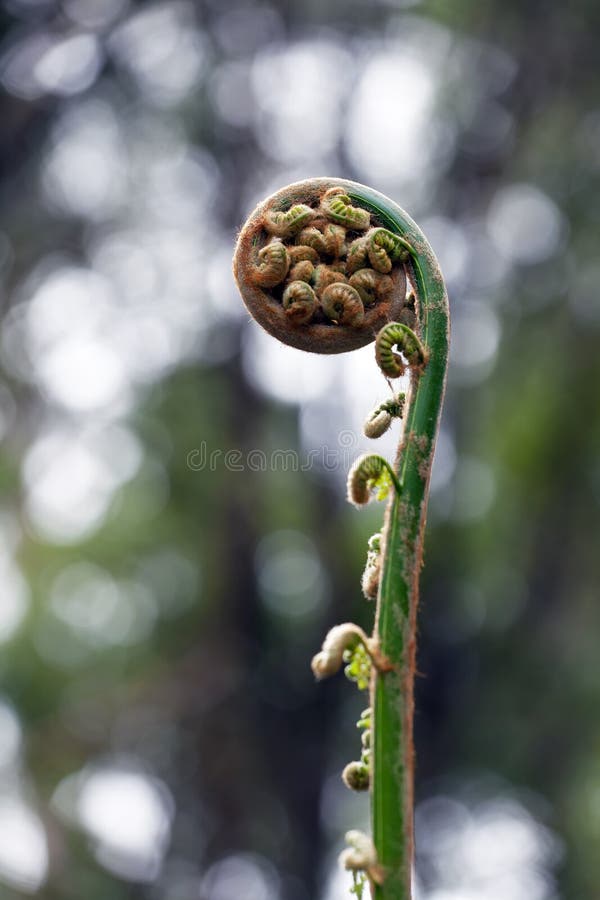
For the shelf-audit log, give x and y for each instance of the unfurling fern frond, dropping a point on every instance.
(395, 334)
(370, 474)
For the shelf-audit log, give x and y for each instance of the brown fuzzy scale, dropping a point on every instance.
(408, 313)
(265, 305)
(408, 317)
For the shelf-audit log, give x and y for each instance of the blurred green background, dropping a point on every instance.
(161, 734)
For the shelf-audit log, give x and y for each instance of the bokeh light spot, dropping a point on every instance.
(128, 815)
(289, 574)
(84, 170)
(162, 50)
(14, 597)
(70, 66)
(525, 224)
(70, 479)
(10, 735)
(23, 848)
(243, 875)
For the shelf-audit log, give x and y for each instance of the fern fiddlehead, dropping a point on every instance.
(302, 271)
(313, 238)
(273, 264)
(370, 473)
(299, 302)
(341, 303)
(315, 222)
(396, 334)
(338, 206)
(381, 418)
(324, 276)
(371, 285)
(384, 248)
(366, 248)
(357, 256)
(284, 224)
(372, 572)
(302, 252)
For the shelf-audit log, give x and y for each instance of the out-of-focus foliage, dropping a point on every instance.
(175, 537)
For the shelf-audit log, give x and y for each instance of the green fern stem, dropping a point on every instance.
(395, 626)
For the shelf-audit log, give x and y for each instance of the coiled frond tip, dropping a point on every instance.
(400, 336)
(338, 640)
(356, 776)
(361, 855)
(369, 474)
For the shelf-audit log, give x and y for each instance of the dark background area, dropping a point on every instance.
(161, 734)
